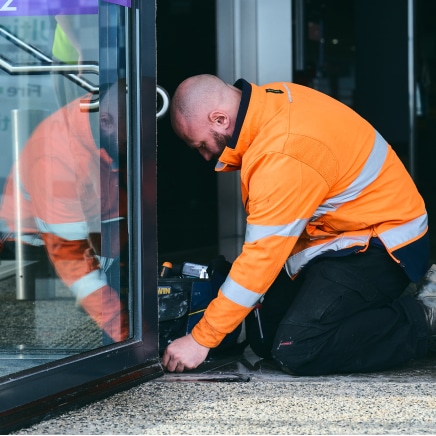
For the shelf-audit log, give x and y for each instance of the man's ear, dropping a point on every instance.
(106, 122)
(219, 119)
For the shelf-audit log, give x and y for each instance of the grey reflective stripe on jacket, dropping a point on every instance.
(69, 231)
(368, 174)
(88, 284)
(238, 294)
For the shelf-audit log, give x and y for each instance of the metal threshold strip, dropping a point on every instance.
(213, 376)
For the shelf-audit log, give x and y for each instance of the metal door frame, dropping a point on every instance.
(27, 397)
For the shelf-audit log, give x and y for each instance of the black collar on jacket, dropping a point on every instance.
(245, 87)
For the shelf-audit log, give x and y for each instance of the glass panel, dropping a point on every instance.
(63, 205)
(425, 72)
(325, 52)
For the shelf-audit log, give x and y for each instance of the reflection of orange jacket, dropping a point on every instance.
(316, 179)
(67, 189)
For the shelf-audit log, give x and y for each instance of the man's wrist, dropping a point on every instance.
(204, 334)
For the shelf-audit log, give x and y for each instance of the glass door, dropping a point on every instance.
(76, 206)
(64, 201)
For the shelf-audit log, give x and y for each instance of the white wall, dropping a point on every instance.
(254, 41)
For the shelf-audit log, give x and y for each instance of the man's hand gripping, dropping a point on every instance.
(184, 353)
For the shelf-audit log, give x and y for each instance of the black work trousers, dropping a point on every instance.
(341, 315)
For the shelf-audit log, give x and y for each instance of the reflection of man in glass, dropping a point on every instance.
(73, 198)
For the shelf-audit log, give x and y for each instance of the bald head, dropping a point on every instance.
(196, 94)
(197, 97)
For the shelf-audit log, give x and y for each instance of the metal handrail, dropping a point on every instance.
(58, 68)
(48, 68)
(83, 83)
(51, 67)
(93, 105)
(165, 101)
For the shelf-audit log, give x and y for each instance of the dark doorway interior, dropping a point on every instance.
(425, 137)
(358, 53)
(187, 191)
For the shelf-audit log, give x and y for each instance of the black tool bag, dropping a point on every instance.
(183, 300)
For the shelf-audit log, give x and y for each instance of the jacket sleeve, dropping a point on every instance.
(282, 195)
(64, 227)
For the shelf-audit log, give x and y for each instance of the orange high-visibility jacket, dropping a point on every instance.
(316, 179)
(66, 189)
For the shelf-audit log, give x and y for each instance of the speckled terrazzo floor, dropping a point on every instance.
(258, 407)
(245, 395)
